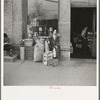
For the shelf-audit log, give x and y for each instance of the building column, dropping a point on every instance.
(64, 27)
(19, 22)
(8, 18)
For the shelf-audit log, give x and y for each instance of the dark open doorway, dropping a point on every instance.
(81, 18)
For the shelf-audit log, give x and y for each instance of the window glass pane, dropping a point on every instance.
(43, 14)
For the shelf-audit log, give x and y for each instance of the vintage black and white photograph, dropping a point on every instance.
(50, 43)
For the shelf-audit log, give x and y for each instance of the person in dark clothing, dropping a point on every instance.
(84, 41)
(55, 43)
(7, 44)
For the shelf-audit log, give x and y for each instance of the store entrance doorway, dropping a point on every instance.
(80, 19)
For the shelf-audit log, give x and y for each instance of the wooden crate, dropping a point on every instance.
(53, 62)
(46, 57)
(29, 52)
(10, 59)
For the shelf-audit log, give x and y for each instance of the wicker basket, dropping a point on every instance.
(28, 42)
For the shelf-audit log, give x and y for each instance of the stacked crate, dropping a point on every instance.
(53, 62)
(47, 56)
(48, 59)
(29, 52)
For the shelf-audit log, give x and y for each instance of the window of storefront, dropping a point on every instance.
(45, 13)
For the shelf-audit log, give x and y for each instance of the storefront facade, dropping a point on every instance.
(65, 21)
(15, 20)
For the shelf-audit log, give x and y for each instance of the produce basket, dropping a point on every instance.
(28, 42)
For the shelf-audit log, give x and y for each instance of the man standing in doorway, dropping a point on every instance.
(84, 41)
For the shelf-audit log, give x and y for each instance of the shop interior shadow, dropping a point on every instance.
(80, 19)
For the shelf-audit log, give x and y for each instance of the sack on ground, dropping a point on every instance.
(38, 52)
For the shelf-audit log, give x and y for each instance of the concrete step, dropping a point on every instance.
(10, 59)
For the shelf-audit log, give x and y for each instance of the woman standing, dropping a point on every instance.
(55, 44)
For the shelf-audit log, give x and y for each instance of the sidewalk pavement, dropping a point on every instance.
(76, 72)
